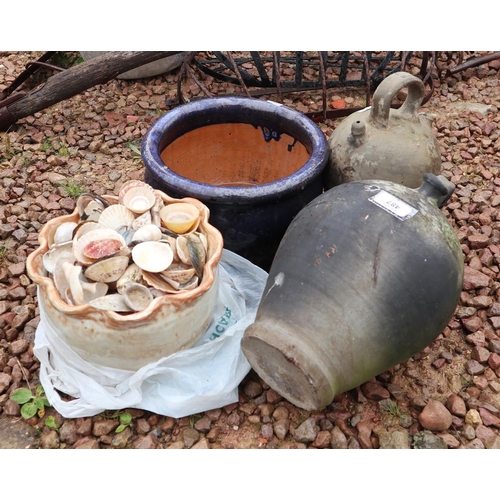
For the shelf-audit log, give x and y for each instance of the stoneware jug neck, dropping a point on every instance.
(437, 189)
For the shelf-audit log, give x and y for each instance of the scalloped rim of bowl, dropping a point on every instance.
(35, 268)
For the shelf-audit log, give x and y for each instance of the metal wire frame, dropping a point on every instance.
(278, 72)
(309, 71)
(333, 69)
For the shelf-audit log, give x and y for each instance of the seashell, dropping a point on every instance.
(92, 291)
(156, 281)
(107, 270)
(182, 250)
(203, 239)
(142, 220)
(129, 185)
(155, 211)
(152, 256)
(149, 232)
(157, 293)
(82, 291)
(59, 276)
(111, 302)
(173, 245)
(132, 274)
(90, 206)
(126, 232)
(101, 248)
(180, 217)
(139, 199)
(137, 296)
(192, 251)
(84, 227)
(97, 244)
(181, 287)
(116, 216)
(179, 273)
(62, 233)
(50, 257)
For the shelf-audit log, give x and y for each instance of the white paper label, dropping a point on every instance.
(393, 205)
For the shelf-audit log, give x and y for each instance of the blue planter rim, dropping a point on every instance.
(228, 110)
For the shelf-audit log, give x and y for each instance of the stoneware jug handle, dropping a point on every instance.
(385, 92)
(437, 188)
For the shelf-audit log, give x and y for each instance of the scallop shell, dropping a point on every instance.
(149, 232)
(97, 244)
(153, 256)
(137, 296)
(129, 185)
(180, 217)
(107, 270)
(116, 216)
(139, 199)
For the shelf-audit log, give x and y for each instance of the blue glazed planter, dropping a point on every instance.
(255, 164)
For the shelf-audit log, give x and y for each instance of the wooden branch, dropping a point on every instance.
(72, 81)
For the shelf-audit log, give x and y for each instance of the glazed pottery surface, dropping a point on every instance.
(396, 145)
(367, 275)
(254, 163)
(169, 324)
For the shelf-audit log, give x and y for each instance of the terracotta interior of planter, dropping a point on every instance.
(234, 154)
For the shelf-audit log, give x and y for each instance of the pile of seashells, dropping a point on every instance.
(120, 256)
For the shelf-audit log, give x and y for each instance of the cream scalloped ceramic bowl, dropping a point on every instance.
(169, 324)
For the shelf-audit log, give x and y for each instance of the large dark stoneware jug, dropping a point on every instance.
(378, 142)
(255, 164)
(367, 275)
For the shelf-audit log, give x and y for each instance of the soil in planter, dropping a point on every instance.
(235, 155)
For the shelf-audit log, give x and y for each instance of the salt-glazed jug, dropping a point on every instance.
(378, 142)
(367, 275)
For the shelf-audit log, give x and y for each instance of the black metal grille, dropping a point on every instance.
(305, 70)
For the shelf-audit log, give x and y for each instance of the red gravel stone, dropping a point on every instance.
(474, 279)
(488, 418)
(435, 416)
(494, 361)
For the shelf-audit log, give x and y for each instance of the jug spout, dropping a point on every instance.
(358, 133)
(436, 188)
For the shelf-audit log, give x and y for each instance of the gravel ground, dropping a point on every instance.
(447, 396)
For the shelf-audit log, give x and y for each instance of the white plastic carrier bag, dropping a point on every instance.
(191, 381)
